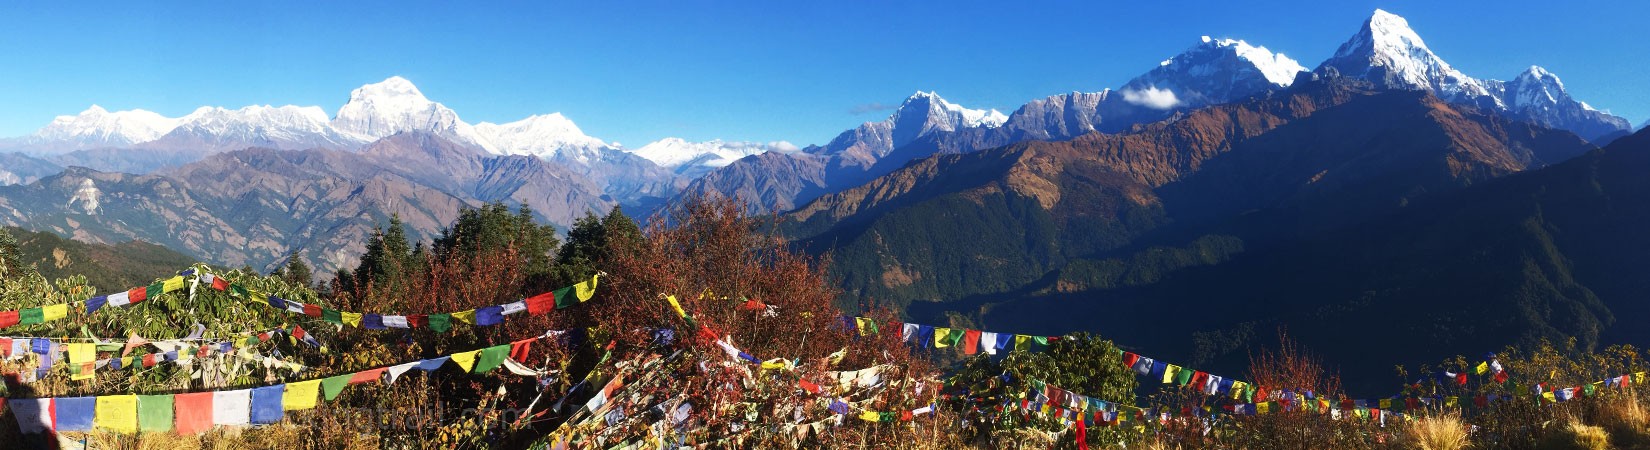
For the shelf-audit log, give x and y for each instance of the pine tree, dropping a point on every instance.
(11, 257)
(296, 272)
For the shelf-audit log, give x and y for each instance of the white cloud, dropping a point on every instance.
(1151, 97)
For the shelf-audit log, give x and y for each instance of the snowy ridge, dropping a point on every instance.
(1211, 72)
(1389, 53)
(97, 127)
(394, 105)
(677, 152)
(544, 136)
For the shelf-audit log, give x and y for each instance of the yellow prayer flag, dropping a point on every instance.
(54, 312)
(1022, 343)
(467, 359)
(350, 318)
(942, 337)
(1483, 368)
(870, 416)
(300, 395)
(1638, 377)
(117, 413)
(1451, 401)
(466, 316)
(586, 289)
(1549, 396)
(79, 355)
(676, 306)
(257, 297)
(1262, 407)
(1386, 403)
(1237, 389)
(1169, 373)
(171, 284)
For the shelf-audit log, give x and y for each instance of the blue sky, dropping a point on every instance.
(637, 71)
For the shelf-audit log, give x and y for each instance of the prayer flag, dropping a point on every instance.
(95, 303)
(395, 321)
(32, 316)
(564, 297)
(367, 376)
(906, 331)
(232, 407)
(194, 412)
(332, 386)
(433, 364)
(120, 298)
(466, 316)
(942, 337)
(266, 404)
(372, 321)
(138, 295)
(351, 318)
(514, 307)
(74, 413)
(1483, 368)
(34, 415)
(586, 290)
(117, 413)
(312, 310)
(677, 306)
(9, 318)
(988, 342)
(1170, 372)
(79, 354)
(542, 303)
(154, 413)
(491, 358)
(489, 316)
(971, 342)
(440, 323)
(395, 371)
(54, 312)
(466, 360)
(172, 284)
(332, 316)
(1022, 343)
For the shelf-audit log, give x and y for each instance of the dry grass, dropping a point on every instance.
(1445, 432)
(1575, 435)
(1627, 421)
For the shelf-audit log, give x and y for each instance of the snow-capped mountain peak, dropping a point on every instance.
(395, 105)
(1536, 88)
(926, 112)
(686, 157)
(1210, 72)
(542, 135)
(1387, 51)
(97, 127)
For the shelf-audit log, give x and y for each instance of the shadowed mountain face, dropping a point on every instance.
(254, 206)
(1099, 225)
(109, 268)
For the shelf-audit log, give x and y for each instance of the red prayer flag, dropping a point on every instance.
(1129, 359)
(971, 342)
(8, 318)
(149, 360)
(542, 303)
(220, 284)
(137, 294)
(1501, 377)
(1461, 378)
(263, 337)
(312, 310)
(520, 349)
(809, 386)
(898, 327)
(193, 413)
(418, 320)
(367, 376)
(905, 416)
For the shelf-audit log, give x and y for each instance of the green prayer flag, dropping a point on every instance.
(1040, 340)
(155, 413)
(956, 337)
(332, 316)
(440, 323)
(491, 358)
(564, 297)
(238, 290)
(1184, 377)
(31, 316)
(331, 386)
(155, 290)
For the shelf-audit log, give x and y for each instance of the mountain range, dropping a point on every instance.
(1227, 188)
